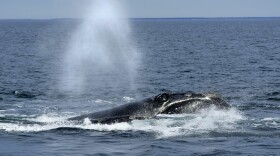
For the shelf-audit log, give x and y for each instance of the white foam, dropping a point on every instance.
(10, 127)
(271, 122)
(102, 101)
(270, 119)
(49, 118)
(87, 121)
(127, 99)
(165, 126)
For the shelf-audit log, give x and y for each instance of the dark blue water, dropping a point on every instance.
(238, 58)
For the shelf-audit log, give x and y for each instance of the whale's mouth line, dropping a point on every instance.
(166, 105)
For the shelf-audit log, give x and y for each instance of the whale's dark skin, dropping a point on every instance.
(165, 103)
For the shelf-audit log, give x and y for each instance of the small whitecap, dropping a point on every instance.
(270, 119)
(48, 118)
(127, 99)
(102, 101)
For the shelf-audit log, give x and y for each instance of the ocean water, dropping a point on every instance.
(238, 58)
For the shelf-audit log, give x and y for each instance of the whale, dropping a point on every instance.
(164, 103)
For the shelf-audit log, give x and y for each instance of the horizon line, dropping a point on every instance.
(65, 18)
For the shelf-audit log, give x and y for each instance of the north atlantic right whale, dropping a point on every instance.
(165, 103)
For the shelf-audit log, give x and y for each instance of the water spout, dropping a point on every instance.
(101, 53)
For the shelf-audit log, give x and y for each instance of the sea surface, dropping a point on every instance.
(238, 58)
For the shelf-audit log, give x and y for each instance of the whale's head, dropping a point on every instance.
(189, 102)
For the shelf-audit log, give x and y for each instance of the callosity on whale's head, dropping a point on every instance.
(190, 102)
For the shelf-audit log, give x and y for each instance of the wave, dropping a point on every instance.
(207, 121)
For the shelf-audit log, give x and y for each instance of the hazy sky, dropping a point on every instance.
(30, 9)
